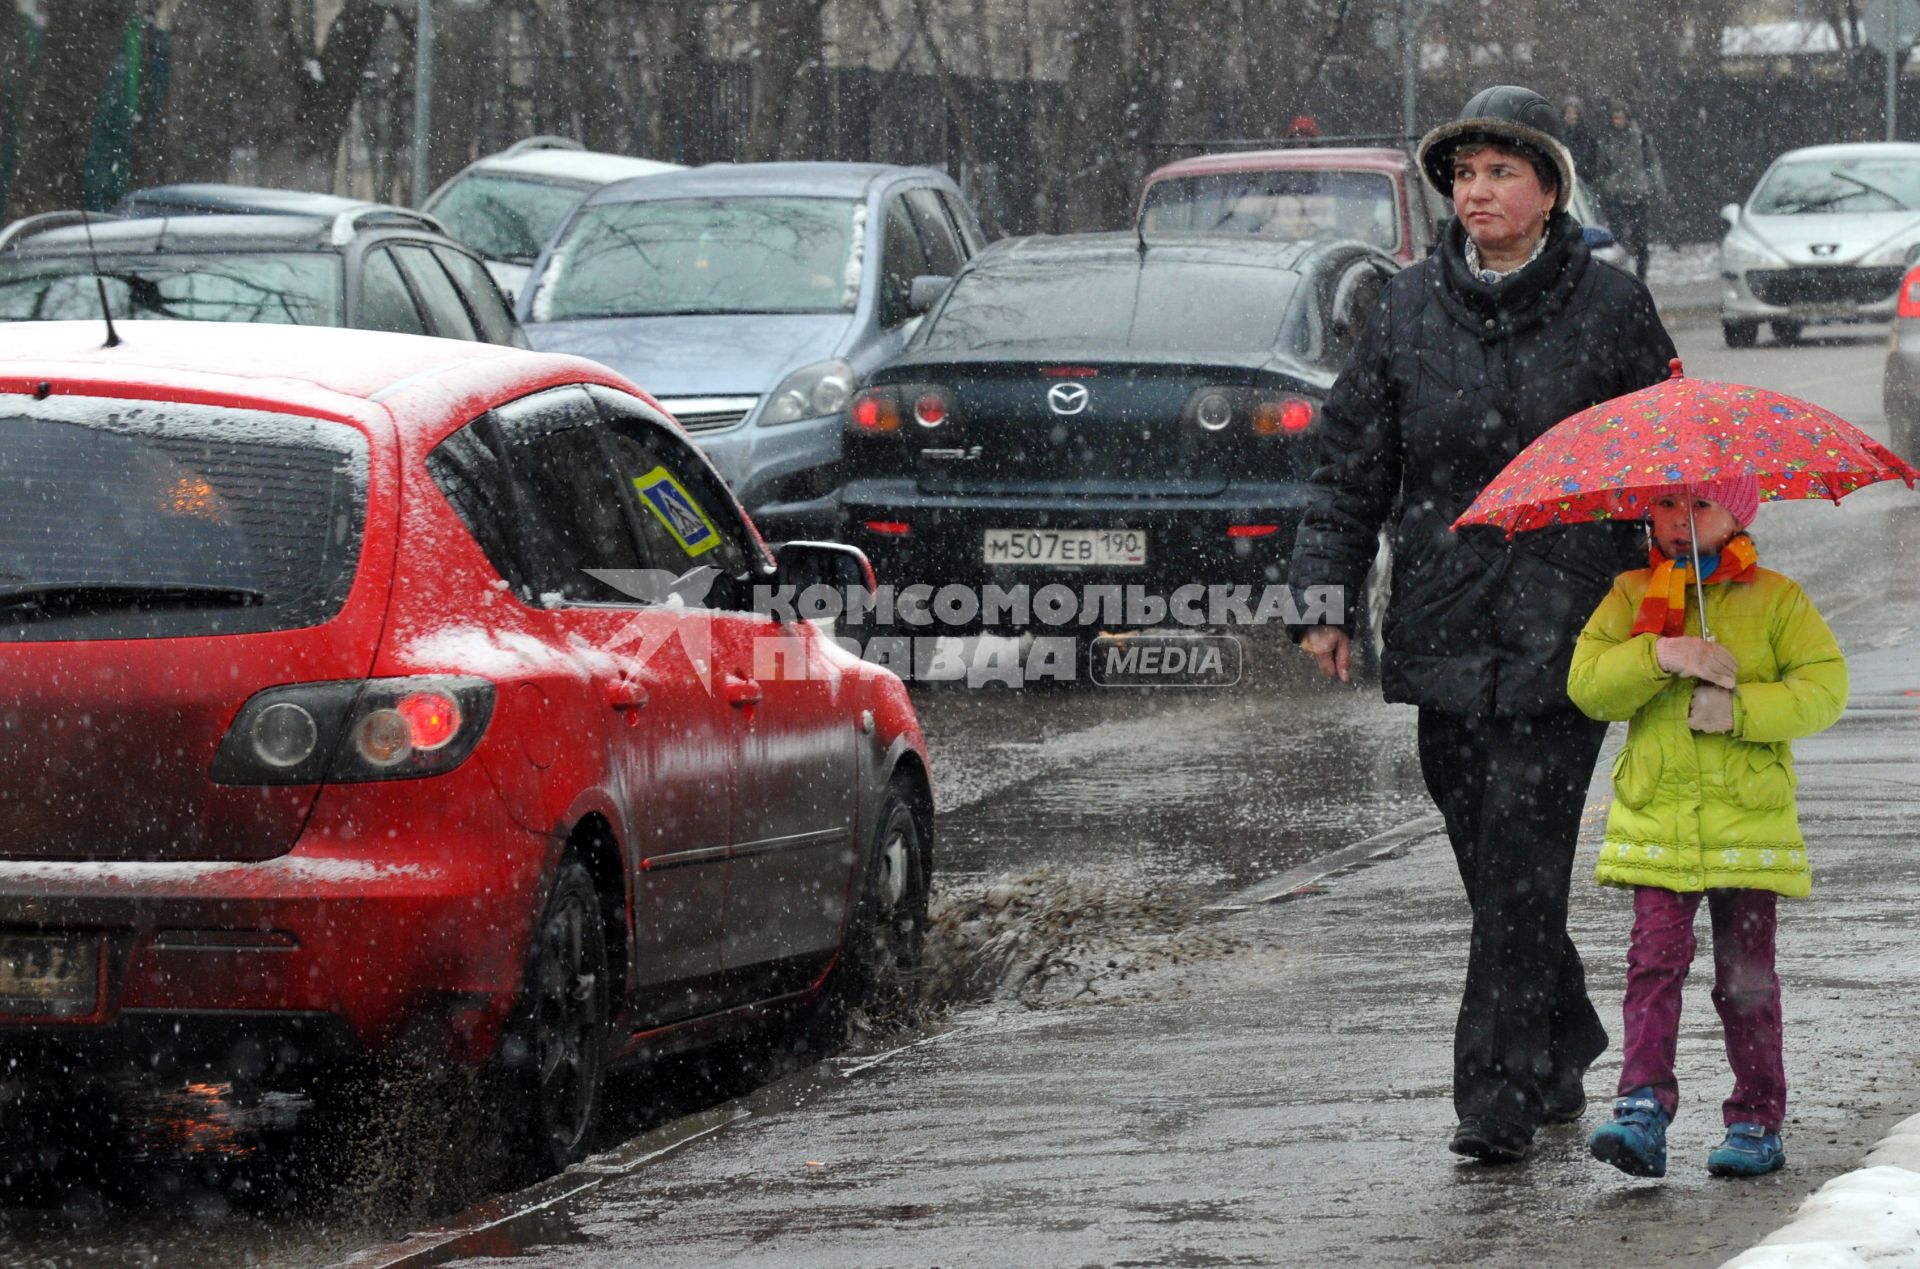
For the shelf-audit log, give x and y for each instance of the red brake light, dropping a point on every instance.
(432, 718)
(1070, 372)
(890, 528)
(1909, 295)
(875, 412)
(1252, 530)
(930, 410)
(1289, 416)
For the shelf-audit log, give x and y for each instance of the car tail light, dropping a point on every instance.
(930, 410)
(1288, 416)
(1909, 295)
(354, 730)
(875, 411)
(890, 528)
(1252, 530)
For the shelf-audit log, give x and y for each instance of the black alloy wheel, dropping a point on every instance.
(1741, 334)
(556, 1054)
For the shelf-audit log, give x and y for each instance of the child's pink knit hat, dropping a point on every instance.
(1740, 495)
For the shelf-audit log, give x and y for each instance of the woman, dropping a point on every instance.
(1629, 181)
(1507, 328)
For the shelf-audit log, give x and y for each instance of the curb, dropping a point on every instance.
(1870, 1215)
(500, 1226)
(1301, 881)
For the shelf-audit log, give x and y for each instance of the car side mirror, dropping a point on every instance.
(834, 564)
(926, 292)
(1731, 213)
(1913, 254)
(1597, 236)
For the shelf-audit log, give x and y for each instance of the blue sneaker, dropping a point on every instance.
(1636, 1140)
(1749, 1150)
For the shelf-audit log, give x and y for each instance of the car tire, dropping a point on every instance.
(1786, 332)
(886, 934)
(552, 1063)
(1899, 413)
(1740, 334)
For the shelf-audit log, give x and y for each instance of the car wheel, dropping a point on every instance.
(1787, 332)
(886, 936)
(554, 1057)
(1741, 334)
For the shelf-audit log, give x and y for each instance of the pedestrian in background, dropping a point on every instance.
(1578, 137)
(1628, 178)
(1703, 805)
(1506, 328)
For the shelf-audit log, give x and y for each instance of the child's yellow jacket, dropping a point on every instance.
(1698, 811)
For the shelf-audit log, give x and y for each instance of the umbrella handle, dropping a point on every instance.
(1693, 548)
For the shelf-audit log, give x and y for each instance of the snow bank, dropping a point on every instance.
(1867, 1217)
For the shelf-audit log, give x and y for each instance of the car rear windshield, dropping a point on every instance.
(1294, 204)
(283, 289)
(1839, 185)
(137, 519)
(688, 256)
(505, 217)
(1082, 308)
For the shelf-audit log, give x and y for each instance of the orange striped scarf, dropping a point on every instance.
(1664, 610)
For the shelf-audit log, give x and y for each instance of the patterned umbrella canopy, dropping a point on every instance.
(1610, 461)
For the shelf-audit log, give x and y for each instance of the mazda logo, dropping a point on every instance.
(1825, 248)
(1067, 398)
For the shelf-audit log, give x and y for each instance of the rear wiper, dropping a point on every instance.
(48, 599)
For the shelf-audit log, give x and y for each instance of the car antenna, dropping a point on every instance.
(99, 283)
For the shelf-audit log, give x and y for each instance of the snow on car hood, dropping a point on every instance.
(737, 354)
(1856, 238)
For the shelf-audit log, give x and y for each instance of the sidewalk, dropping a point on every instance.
(1283, 1097)
(1685, 282)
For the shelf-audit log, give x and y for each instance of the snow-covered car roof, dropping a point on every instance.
(586, 168)
(1855, 150)
(424, 385)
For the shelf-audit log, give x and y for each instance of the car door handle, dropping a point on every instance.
(741, 691)
(625, 694)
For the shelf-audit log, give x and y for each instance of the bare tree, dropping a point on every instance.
(62, 93)
(786, 43)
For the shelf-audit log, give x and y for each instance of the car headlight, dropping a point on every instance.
(1742, 252)
(1894, 254)
(810, 392)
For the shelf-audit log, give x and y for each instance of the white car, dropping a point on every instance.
(1823, 238)
(506, 205)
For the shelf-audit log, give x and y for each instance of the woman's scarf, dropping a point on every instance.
(1664, 610)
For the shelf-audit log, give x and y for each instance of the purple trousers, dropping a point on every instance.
(1746, 991)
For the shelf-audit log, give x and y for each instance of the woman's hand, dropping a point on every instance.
(1331, 650)
(1699, 659)
(1712, 709)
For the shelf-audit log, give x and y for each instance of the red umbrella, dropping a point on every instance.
(1609, 462)
(1606, 462)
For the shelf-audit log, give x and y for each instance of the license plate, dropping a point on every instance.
(49, 975)
(1067, 548)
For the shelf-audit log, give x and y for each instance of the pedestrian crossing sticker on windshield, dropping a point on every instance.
(675, 508)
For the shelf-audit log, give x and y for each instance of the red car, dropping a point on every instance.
(367, 696)
(1373, 194)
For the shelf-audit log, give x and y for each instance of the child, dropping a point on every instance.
(1703, 804)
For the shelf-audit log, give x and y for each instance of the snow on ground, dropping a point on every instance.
(1867, 1217)
(1688, 263)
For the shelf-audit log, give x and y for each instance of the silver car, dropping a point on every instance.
(1823, 238)
(752, 298)
(506, 205)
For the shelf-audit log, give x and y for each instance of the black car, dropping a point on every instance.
(1097, 411)
(369, 266)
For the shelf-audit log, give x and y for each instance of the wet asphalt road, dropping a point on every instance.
(1137, 808)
